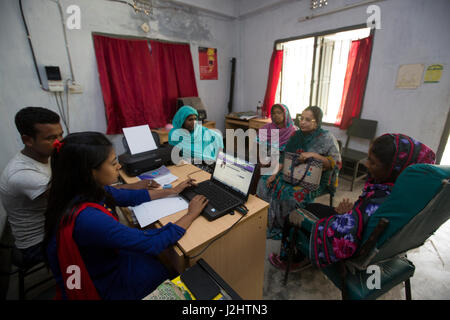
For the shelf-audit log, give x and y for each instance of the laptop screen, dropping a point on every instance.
(234, 172)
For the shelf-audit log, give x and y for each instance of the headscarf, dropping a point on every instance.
(202, 143)
(408, 151)
(284, 133)
(338, 237)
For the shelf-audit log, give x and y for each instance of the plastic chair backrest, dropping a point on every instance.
(362, 128)
(418, 205)
(194, 102)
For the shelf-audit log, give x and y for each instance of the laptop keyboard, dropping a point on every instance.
(216, 196)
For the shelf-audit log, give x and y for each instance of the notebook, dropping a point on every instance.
(228, 187)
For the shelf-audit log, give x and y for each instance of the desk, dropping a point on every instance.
(235, 123)
(164, 133)
(238, 256)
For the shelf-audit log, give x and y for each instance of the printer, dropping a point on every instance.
(135, 164)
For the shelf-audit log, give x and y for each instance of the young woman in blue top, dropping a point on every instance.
(90, 253)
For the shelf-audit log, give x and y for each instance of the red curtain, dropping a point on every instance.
(276, 62)
(141, 80)
(355, 81)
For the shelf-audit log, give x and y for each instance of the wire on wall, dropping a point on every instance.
(31, 45)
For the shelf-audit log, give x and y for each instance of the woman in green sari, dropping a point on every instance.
(310, 141)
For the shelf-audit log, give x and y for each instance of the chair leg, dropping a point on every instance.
(408, 289)
(355, 174)
(343, 274)
(290, 254)
(21, 275)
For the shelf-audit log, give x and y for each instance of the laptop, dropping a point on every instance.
(228, 187)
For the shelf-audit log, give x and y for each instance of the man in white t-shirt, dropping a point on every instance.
(24, 181)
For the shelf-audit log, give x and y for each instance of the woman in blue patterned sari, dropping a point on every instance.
(311, 141)
(338, 233)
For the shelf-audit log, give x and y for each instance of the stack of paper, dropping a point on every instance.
(161, 175)
(151, 211)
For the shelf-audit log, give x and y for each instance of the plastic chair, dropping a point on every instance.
(194, 102)
(360, 128)
(418, 205)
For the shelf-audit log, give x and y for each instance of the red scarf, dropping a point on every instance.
(69, 255)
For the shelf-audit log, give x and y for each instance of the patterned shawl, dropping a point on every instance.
(338, 237)
(265, 133)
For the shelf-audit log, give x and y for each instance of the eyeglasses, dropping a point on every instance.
(301, 118)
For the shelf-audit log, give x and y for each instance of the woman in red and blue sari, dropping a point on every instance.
(337, 235)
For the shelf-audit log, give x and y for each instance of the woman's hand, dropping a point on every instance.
(344, 206)
(307, 155)
(270, 180)
(183, 185)
(196, 205)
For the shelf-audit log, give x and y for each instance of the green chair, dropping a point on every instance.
(418, 205)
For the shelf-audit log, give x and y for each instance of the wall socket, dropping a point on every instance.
(75, 88)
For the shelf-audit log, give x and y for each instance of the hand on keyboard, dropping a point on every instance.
(197, 204)
(183, 185)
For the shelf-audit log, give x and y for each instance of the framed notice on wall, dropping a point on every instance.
(208, 63)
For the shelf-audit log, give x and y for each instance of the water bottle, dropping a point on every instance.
(259, 109)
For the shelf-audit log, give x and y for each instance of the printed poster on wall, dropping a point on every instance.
(208, 63)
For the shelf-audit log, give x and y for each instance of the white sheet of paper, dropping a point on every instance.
(139, 139)
(166, 179)
(149, 212)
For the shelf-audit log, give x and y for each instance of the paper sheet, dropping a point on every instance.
(139, 139)
(151, 211)
(161, 175)
(166, 179)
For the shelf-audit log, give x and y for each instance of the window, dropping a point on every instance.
(313, 71)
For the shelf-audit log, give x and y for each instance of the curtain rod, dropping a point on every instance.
(120, 36)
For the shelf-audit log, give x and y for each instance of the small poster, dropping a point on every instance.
(208, 63)
(433, 73)
(409, 76)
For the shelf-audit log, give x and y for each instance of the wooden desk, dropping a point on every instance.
(164, 134)
(237, 255)
(235, 123)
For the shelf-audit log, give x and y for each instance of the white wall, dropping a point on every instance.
(19, 85)
(413, 31)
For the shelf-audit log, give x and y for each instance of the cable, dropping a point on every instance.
(189, 175)
(31, 46)
(61, 110)
(65, 38)
(201, 252)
